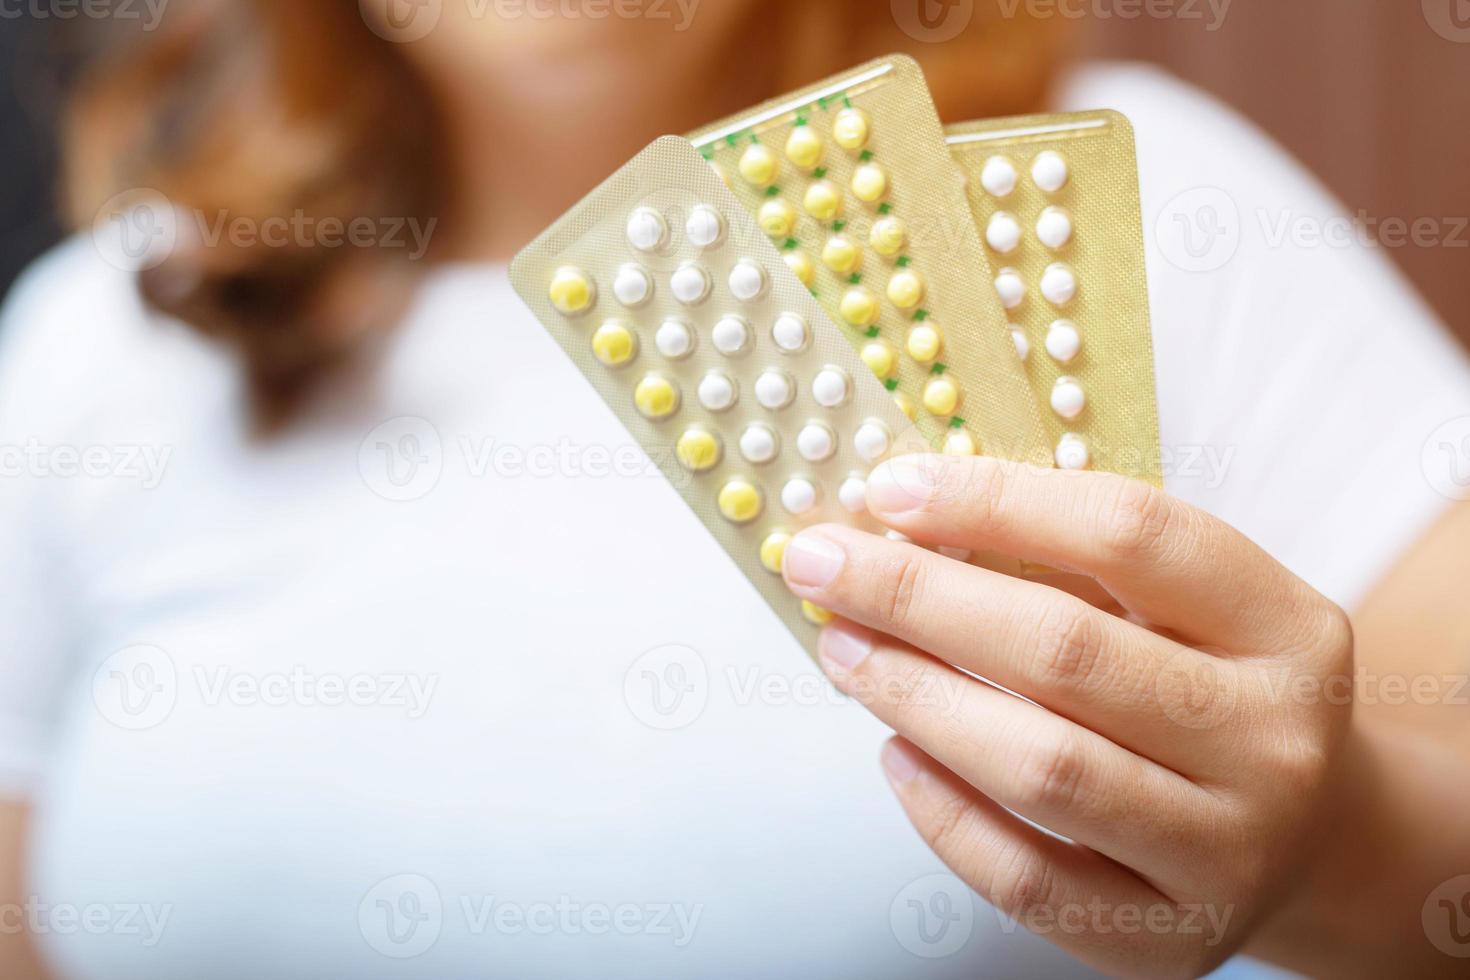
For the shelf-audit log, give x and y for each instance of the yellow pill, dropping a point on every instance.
(656, 397)
(889, 236)
(815, 614)
(859, 307)
(614, 344)
(906, 406)
(773, 550)
(699, 450)
(905, 289)
(758, 164)
(924, 343)
(841, 254)
(740, 501)
(869, 183)
(879, 357)
(571, 290)
(823, 200)
(960, 443)
(851, 128)
(801, 264)
(941, 396)
(777, 218)
(804, 147)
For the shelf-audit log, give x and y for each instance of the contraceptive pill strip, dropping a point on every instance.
(688, 323)
(1056, 201)
(851, 179)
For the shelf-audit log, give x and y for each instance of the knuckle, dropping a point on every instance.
(900, 587)
(1068, 645)
(984, 491)
(907, 690)
(1139, 522)
(1023, 884)
(1050, 775)
(948, 825)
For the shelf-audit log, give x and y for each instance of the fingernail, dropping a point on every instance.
(899, 762)
(846, 646)
(813, 561)
(901, 485)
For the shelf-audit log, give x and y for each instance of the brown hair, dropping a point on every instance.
(262, 109)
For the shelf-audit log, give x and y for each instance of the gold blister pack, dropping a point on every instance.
(1056, 202)
(851, 179)
(685, 318)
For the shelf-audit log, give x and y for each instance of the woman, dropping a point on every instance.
(355, 651)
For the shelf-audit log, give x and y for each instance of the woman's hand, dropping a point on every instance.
(1185, 740)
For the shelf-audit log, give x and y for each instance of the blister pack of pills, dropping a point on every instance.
(1056, 201)
(684, 317)
(852, 181)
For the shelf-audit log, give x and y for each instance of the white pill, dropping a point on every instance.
(1054, 227)
(1067, 398)
(1012, 288)
(774, 389)
(1023, 346)
(705, 226)
(799, 496)
(1072, 453)
(1063, 341)
(958, 554)
(1059, 284)
(647, 229)
(759, 444)
(731, 335)
(898, 536)
(816, 442)
(872, 441)
(690, 283)
(717, 392)
(790, 333)
(830, 387)
(632, 286)
(853, 495)
(1049, 171)
(1003, 233)
(674, 339)
(747, 280)
(999, 176)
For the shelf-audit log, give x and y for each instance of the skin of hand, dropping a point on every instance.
(1185, 740)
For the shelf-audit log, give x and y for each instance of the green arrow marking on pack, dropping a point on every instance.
(939, 369)
(873, 331)
(865, 156)
(920, 316)
(885, 207)
(855, 278)
(891, 384)
(956, 423)
(789, 244)
(773, 191)
(839, 225)
(819, 173)
(903, 261)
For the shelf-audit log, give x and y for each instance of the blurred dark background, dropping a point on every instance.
(28, 158)
(1373, 96)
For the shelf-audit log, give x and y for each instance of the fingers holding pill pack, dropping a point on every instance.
(1056, 201)
(851, 180)
(688, 322)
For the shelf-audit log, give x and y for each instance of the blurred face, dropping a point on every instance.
(548, 38)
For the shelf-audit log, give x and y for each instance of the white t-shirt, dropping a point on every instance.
(277, 721)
